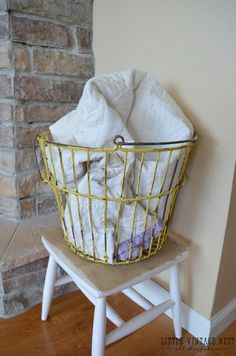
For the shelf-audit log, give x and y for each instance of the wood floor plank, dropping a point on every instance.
(68, 332)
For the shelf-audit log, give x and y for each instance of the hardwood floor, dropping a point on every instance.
(68, 330)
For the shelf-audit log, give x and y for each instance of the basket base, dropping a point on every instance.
(155, 246)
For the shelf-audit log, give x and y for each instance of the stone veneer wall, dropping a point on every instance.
(45, 59)
(21, 288)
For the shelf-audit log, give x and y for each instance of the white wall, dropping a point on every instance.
(190, 47)
(225, 290)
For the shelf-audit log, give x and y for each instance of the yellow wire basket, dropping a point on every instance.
(115, 203)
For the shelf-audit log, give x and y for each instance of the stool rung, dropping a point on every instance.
(137, 298)
(138, 321)
(63, 280)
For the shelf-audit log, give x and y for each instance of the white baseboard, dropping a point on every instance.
(223, 319)
(195, 323)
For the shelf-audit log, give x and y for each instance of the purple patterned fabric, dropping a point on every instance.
(141, 239)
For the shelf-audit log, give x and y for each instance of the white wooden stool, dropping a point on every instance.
(98, 281)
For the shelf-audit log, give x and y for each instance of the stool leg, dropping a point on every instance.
(175, 296)
(48, 287)
(99, 328)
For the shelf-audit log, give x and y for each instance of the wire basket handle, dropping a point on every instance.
(119, 140)
(36, 139)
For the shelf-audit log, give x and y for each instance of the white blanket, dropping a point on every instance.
(132, 104)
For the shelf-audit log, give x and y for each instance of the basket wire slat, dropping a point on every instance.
(135, 203)
(105, 206)
(120, 203)
(152, 204)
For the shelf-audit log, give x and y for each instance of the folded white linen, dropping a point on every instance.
(132, 104)
(96, 230)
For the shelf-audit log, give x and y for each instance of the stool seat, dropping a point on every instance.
(98, 281)
(104, 280)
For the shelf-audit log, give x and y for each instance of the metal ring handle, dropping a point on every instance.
(119, 140)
